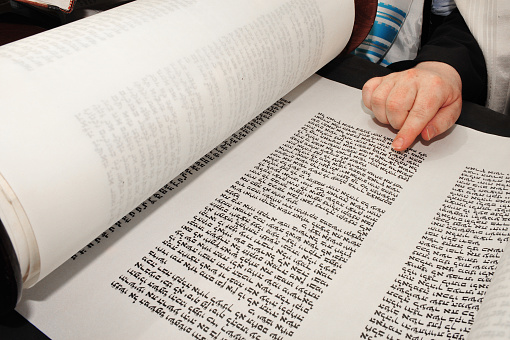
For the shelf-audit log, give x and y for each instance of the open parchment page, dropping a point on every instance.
(493, 319)
(309, 226)
(99, 114)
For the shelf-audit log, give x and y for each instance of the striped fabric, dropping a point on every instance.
(391, 15)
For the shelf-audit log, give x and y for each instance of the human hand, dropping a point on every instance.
(426, 100)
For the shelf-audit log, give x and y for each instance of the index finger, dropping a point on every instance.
(424, 109)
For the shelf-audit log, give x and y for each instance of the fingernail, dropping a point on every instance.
(430, 132)
(397, 143)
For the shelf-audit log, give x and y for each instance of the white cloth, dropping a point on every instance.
(489, 21)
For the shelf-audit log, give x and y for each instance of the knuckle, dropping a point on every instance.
(371, 84)
(420, 113)
(394, 105)
(427, 107)
(397, 121)
(378, 99)
(411, 73)
(381, 117)
(436, 81)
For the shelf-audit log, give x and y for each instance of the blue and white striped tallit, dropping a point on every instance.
(390, 17)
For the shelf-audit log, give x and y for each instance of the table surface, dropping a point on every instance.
(352, 71)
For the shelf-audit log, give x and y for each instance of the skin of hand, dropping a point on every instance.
(426, 100)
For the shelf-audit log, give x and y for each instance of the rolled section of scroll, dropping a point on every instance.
(18, 248)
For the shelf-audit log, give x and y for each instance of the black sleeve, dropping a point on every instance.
(452, 43)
